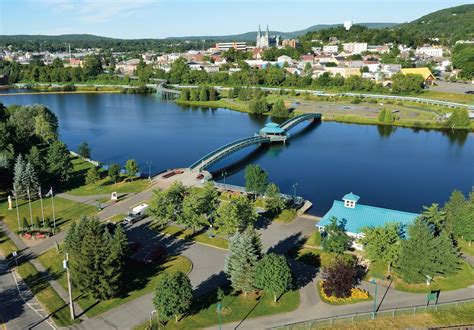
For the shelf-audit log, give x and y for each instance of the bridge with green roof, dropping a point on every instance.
(272, 132)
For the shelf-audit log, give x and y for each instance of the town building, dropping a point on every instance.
(292, 43)
(225, 46)
(430, 51)
(357, 216)
(343, 71)
(355, 47)
(424, 72)
(265, 40)
(127, 67)
(330, 49)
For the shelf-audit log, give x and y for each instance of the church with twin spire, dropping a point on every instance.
(265, 40)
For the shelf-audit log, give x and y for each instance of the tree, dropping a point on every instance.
(459, 119)
(256, 179)
(335, 239)
(455, 209)
(114, 172)
(463, 58)
(132, 168)
(236, 215)
(167, 205)
(258, 105)
(92, 66)
(383, 243)
(24, 224)
(30, 181)
(203, 96)
(212, 94)
(184, 95)
(463, 226)
(382, 115)
(389, 118)
(173, 295)
(279, 109)
(406, 84)
(59, 162)
(96, 258)
(425, 255)
(339, 278)
(46, 124)
(194, 210)
(35, 158)
(84, 150)
(92, 176)
(241, 263)
(434, 216)
(273, 275)
(274, 203)
(18, 177)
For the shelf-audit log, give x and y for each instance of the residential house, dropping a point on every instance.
(355, 47)
(356, 216)
(424, 72)
(343, 71)
(127, 67)
(330, 49)
(430, 51)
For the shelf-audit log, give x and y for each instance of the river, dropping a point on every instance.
(396, 168)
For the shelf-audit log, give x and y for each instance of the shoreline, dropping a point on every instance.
(63, 92)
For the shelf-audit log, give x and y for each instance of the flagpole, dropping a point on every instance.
(52, 204)
(41, 201)
(29, 203)
(17, 211)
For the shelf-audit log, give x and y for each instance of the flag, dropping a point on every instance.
(50, 192)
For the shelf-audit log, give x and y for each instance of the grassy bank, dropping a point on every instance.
(46, 295)
(222, 103)
(139, 279)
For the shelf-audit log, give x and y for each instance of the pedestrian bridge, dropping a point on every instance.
(259, 138)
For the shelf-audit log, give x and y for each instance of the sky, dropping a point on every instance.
(132, 19)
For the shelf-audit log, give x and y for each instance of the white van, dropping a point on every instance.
(138, 213)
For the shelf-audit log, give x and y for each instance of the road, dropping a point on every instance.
(450, 87)
(19, 309)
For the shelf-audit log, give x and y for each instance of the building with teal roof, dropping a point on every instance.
(272, 128)
(357, 216)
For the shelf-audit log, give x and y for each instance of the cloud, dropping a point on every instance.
(97, 11)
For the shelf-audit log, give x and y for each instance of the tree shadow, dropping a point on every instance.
(212, 283)
(283, 246)
(11, 305)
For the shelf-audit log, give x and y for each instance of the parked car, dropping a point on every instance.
(138, 213)
(469, 92)
(155, 254)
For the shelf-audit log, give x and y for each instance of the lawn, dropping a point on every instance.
(286, 216)
(199, 237)
(6, 245)
(139, 279)
(446, 316)
(314, 257)
(451, 97)
(234, 308)
(463, 279)
(45, 294)
(465, 248)
(78, 187)
(65, 211)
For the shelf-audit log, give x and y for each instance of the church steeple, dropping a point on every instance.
(268, 32)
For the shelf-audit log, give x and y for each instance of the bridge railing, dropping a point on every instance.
(296, 120)
(220, 149)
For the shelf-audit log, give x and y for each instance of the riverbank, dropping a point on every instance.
(410, 116)
(80, 88)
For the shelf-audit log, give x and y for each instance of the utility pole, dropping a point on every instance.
(66, 266)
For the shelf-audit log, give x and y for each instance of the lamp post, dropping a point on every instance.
(374, 281)
(151, 313)
(149, 169)
(294, 189)
(66, 266)
(219, 308)
(225, 173)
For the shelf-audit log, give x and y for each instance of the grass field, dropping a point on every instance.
(199, 237)
(286, 216)
(234, 308)
(65, 211)
(48, 297)
(139, 279)
(6, 245)
(465, 248)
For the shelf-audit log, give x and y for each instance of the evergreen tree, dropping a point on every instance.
(241, 263)
(84, 150)
(132, 168)
(455, 210)
(92, 176)
(279, 109)
(59, 162)
(203, 96)
(434, 216)
(47, 223)
(24, 224)
(184, 95)
(258, 105)
(96, 258)
(114, 172)
(389, 118)
(423, 254)
(335, 240)
(34, 157)
(173, 295)
(30, 181)
(37, 223)
(273, 275)
(382, 114)
(18, 177)
(212, 94)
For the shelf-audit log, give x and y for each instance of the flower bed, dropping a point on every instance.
(357, 295)
(35, 234)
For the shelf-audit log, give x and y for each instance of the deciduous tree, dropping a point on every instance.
(335, 238)
(273, 275)
(173, 295)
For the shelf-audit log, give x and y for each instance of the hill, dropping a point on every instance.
(451, 24)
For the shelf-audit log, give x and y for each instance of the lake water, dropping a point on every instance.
(395, 168)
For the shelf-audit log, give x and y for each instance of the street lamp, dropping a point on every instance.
(149, 169)
(151, 313)
(66, 267)
(224, 174)
(294, 189)
(374, 281)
